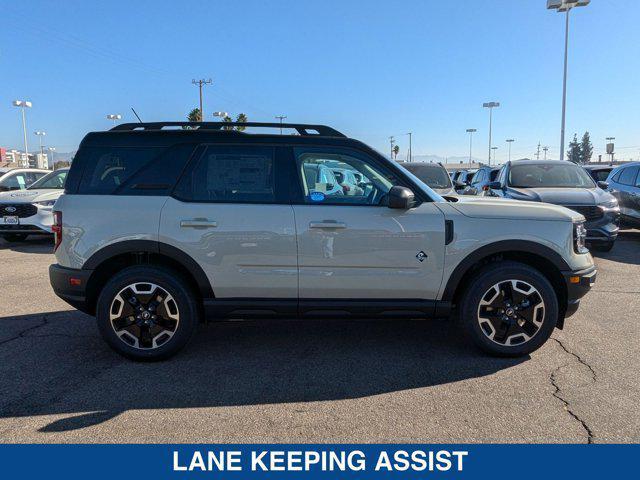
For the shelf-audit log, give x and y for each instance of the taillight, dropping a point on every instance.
(56, 228)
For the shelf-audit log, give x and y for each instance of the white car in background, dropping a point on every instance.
(29, 211)
(19, 178)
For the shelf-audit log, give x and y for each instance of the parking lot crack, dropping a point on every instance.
(24, 332)
(558, 394)
(594, 377)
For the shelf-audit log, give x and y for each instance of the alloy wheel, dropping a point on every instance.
(144, 315)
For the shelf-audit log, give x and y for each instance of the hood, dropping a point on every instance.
(28, 196)
(444, 191)
(563, 196)
(492, 207)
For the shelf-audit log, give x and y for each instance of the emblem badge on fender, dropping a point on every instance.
(421, 256)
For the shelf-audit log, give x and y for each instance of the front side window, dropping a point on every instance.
(51, 180)
(568, 175)
(336, 178)
(231, 174)
(628, 176)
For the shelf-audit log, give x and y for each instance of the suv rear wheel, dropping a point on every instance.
(147, 313)
(509, 309)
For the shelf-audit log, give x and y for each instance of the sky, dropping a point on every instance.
(370, 69)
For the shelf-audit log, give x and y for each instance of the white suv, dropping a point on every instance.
(161, 226)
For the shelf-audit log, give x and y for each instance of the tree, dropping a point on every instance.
(574, 154)
(241, 118)
(194, 115)
(586, 148)
(396, 150)
(227, 118)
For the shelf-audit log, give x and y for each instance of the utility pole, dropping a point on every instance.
(201, 83)
(545, 149)
(410, 152)
(470, 131)
(392, 141)
(281, 118)
(538, 152)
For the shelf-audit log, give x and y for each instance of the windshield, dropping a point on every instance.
(50, 180)
(434, 176)
(567, 175)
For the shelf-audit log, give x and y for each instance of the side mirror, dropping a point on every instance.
(494, 186)
(401, 197)
(603, 185)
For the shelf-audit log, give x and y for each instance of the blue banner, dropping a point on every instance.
(510, 462)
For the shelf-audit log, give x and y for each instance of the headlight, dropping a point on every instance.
(579, 238)
(46, 203)
(612, 204)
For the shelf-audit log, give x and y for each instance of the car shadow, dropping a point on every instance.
(625, 250)
(228, 364)
(32, 244)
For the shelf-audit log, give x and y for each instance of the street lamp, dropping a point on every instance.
(494, 154)
(471, 131)
(114, 116)
(392, 140)
(490, 106)
(510, 141)
(410, 152)
(52, 150)
(24, 104)
(40, 134)
(220, 114)
(610, 147)
(565, 6)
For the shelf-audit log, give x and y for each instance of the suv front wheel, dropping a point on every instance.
(147, 313)
(509, 309)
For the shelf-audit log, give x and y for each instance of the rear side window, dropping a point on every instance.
(108, 168)
(231, 174)
(628, 176)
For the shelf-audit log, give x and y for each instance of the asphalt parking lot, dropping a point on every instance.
(313, 381)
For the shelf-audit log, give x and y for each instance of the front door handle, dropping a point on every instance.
(327, 224)
(198, 223)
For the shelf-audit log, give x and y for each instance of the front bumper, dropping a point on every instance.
(70, 285)
(604, 229)
(578, 284)
(38, 224)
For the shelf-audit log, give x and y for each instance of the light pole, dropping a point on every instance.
(220, 114)
(40, 134)
(410, 152)
(52, 151)
(510, 141)
(490, 106)
(610, 148)
(24, 104)
(281, 118)
(494, 154)
(114, 116)
(565, 6)
(392, 140)
(471, 131)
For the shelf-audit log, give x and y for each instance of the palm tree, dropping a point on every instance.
(241, 118)
(194, 115)
(227, 118)
(396, 150)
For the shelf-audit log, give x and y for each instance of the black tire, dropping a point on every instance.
(493, 280)
(14, 237)
(603, 247)
(169, 281)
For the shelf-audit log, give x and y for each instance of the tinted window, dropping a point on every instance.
(600, 175)
(231, 174)
(51, 180)
(566, 175)
(16, 182)
(433, 175)
(107, 168)
(628, 176)
(320, 185)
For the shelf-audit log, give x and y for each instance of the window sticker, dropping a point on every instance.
(317, 197)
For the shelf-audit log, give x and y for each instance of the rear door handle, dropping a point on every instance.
(327, 224)
(196, 223)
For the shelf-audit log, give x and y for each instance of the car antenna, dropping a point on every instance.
(137, 116)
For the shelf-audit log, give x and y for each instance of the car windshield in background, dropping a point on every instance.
(549, 175)
(434, 176)
(50, 180)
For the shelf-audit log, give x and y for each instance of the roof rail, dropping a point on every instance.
(302, 129)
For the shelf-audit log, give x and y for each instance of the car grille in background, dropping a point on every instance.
(590, 212)
(21, 210)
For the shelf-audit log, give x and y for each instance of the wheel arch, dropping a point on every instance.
(112, 258)
(538, 256)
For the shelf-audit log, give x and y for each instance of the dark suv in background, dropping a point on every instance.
(433, 175)
(566, 184)
(481, 180)
(624, 184)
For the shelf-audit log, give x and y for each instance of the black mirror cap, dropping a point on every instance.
(494, 185)
(401, 197)
(603, 185)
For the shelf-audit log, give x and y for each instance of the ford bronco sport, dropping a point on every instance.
(162, 226)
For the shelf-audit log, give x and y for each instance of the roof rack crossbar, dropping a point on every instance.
(302, 129)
